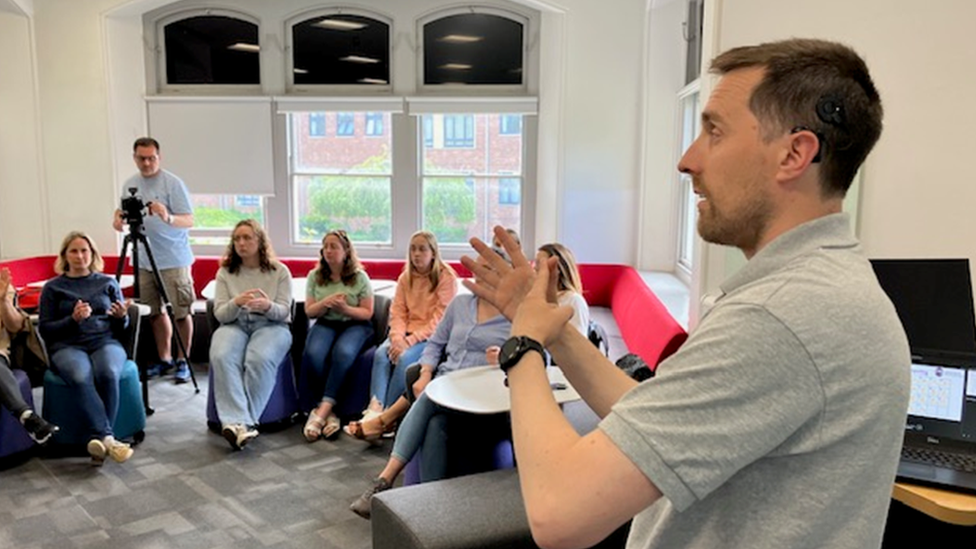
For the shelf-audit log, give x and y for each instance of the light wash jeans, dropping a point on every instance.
(244, 360)
(330, 352)
(94, 377)
(424, 424)
(388, 382)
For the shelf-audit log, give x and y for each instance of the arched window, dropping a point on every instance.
(474, 48)
(340, 49)
(211, 49)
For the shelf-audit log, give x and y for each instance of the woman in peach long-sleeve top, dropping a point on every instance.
(423, 291)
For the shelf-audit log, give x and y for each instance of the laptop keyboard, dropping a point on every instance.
(940, 458)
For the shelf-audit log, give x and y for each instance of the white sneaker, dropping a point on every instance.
(97, 451)
(238, 435)
(247, 435)
(120, 452)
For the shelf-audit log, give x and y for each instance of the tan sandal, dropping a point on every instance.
(313, 427)
(360, 429)
(332, 427)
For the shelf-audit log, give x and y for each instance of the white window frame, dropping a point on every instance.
(277, 78)
(685, 200)
(293, 171)
(527, 107)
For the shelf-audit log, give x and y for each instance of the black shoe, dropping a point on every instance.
(182, 374)
(39, 429)
(363, 503)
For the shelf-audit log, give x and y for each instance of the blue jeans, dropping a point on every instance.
(94, 377)
(424, 424)
(388, 382)
(330, 352)
(244, 360)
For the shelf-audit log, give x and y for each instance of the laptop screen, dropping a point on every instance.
(934, 301)
(943, 401)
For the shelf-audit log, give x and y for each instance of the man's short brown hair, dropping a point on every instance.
(145, 142)
(814, 85)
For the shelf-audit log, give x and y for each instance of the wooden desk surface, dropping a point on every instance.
(952, 507)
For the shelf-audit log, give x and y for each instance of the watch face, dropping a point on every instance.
(510, 350)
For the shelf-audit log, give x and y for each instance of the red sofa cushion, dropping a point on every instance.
(645, 323)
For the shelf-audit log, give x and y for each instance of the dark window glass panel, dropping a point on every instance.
(345, 124)
(473, 48)
(212, 49)
(341, 49)
(316, 124)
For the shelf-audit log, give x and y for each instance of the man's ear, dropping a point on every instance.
(801, 151)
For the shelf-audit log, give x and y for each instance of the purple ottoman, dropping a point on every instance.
(13, 437)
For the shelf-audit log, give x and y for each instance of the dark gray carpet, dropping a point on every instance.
(185, 487)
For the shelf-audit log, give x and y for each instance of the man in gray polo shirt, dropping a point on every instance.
(779, 422)
(167, 227)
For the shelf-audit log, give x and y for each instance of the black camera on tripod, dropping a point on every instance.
(133, 208)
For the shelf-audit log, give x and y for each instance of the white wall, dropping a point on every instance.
(23, 228)
(916, 197)
(664, 77)
(601, 126)
(74, 114)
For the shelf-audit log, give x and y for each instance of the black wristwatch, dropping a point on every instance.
(515, 348)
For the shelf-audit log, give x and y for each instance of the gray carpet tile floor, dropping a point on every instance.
(186, 488)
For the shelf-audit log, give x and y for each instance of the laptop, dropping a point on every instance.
(940, 433)
(934, 301)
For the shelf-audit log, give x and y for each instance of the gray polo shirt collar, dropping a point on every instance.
(831, 231)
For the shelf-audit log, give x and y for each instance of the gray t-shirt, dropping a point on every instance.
(779, 422)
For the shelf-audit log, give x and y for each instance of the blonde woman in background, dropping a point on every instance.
(424, 289)
(569, 288)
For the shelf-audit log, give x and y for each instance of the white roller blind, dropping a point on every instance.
(472, 105)
(217, 145)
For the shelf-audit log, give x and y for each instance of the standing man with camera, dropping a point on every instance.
(166, 226)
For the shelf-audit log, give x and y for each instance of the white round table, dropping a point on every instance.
(482, 390)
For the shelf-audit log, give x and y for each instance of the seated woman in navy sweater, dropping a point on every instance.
(77, 313)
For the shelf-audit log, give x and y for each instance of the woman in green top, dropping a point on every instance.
(340, 296)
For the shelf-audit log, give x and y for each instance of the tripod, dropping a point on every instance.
(137, 235)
